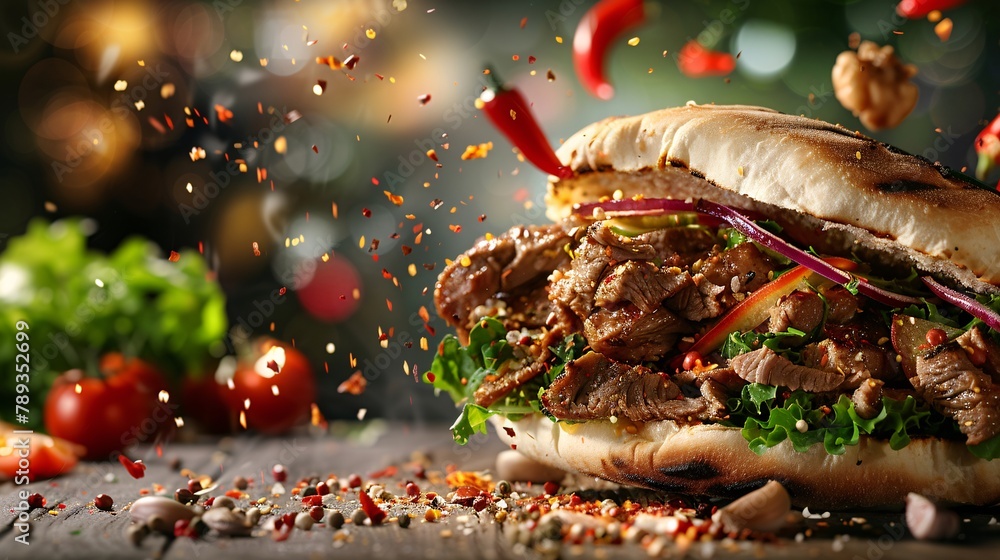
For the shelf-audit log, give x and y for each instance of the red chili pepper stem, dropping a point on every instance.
(511, 114)
(987, 145)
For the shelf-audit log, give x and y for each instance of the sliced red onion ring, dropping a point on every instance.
(632, 207)
(816, 264)
(976, 309)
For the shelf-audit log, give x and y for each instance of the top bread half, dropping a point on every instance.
(838, 188)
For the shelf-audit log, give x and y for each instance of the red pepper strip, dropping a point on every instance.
(988, 147)
(136, 469)
(600, 26)
(374, 512)
(695, 61)
(509, 112)
(916, 9)
(757, 306)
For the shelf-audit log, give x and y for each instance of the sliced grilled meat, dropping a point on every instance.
(594, 387)
(958, 389)
(801, 309)
(982, 351)
(630, 335)
(640, 282)
(503, 264)
(494, 388)
(740, 269)
(856, 361)
(698, 301)
(842, 305)
(867, 398)
(766, 367)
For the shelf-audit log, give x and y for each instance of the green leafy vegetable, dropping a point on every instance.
(769, 416)
(81, 303)
(740, 343)
(460, 371)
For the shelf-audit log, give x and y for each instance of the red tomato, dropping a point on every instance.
(204, 402)
(279, 385)
(107, 414)
(48, 457)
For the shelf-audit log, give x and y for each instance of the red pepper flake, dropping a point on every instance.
(314, 500)
(388, 304)
(225, 115)
(531, 60)
(455, 228)
(36, 500)
(391, 470)
(355, 384)
(282, 290)
(273, 366)
(374, 512)
(292, 116)
(407, 250)
(315, 149)
(509, 430)
(351, 61)
(482, 218)
(696, 61)
(136, 469)
(379, 76)
(524, 21)
(394, 198)
(424, 99)
(366, 212)
(174, 256)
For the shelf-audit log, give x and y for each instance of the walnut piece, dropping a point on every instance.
(875, 85)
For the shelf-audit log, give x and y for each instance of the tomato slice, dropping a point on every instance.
(48, 457)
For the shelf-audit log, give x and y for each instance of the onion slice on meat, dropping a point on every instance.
(814, 263)
(633, 207)
(967, 303)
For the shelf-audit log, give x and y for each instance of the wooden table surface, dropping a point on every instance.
(81, 531)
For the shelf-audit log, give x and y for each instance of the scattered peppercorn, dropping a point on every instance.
(316, 512)
(185, 496)
(335, 519)
(404, 520)
(503, 488)
(36, 500)
(412, 489)
(551, 488)
(279, 473)
(359, 516)
(194, 486)
(240, 483)
(308, 491)
(322, 488)
(103, 502)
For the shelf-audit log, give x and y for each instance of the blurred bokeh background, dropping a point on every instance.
(221, 126)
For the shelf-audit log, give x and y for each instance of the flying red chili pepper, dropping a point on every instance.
(137, 469)
(916, 9)
(696, 61)
(988, 147)
(509, 112)
(598, 29)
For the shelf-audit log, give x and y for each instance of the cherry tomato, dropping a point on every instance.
(49, 457)
(278, 384)
(107, 414)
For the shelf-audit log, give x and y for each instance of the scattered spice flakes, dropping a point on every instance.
(424, 99)
(559, 39)
(174, 256)
(315, 149)
(531, 59)
(550, 76)
(355, 384)
(482, 218)
(224, 114)
(455, 228)
(333, 62)
(388, 304)
(524, 21)
(370, 33)
(320, 87)
(121, 85)
(513, 115)
(407, 250)
(934, 16)
(316, 417)
(281, 144)
(351, 61)
(366, 212)
(943, 29)
(292, 116)
(236, 55)
(437, 202)
(197, 153)
(478, 151)
(167, 90)
(411, 269)
(394, 198)
(432, 153)
(136, 469)
(633, 41)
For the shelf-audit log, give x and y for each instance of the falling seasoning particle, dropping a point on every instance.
(934, 16)
(197, 153)
(513, 115)
(455, 228)
(139, 105)
(465, 261)
(370, 33)
(482, 218)
(394, 198)
(531, 60)
(236, 56)
(479, 151)
(315, 148)
(515, 58)
(857, 155)
(121, 85)
(431, 153)
(411, 269)
(424, 99)
(281, 144)
(320, 87)
(739, 171)
(437, 202)
(351, 61)
(292, 116)
(550, 76)
(559, 39)
(50, 206)
(633, 41)
(174, 256)
(524, 21)
(366, 212)
(943, 29)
